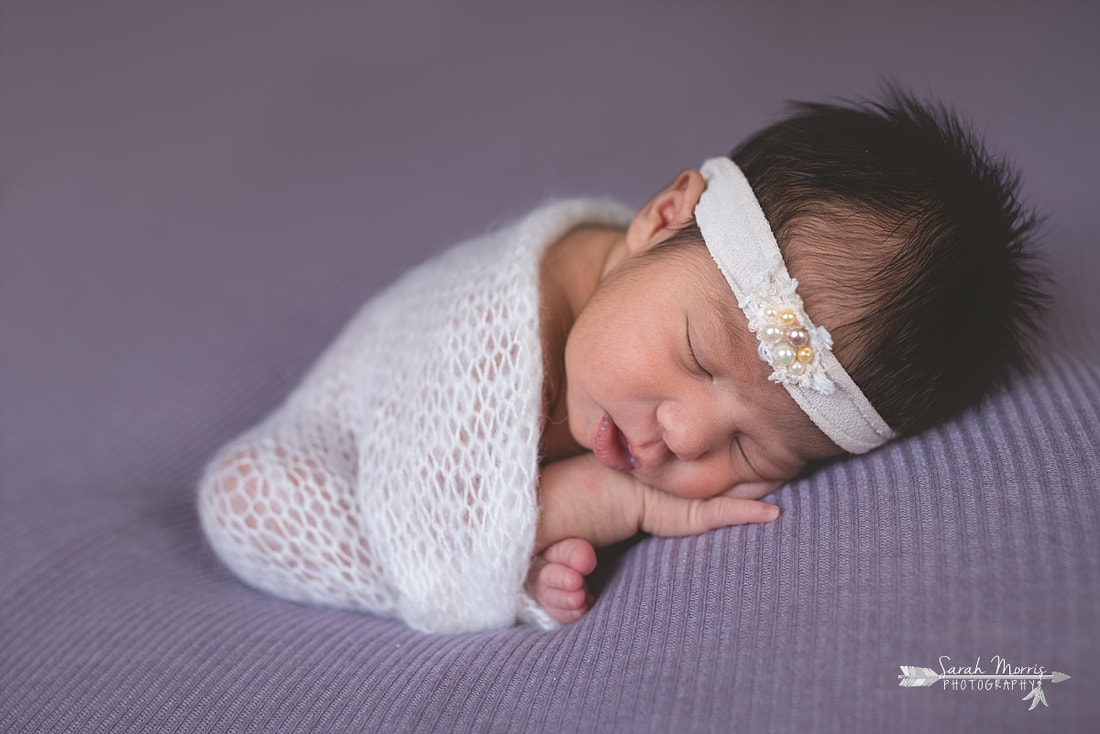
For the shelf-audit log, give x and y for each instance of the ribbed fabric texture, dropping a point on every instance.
(975, 539)
(186, 190)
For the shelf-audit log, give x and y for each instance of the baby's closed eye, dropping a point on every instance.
(744, 457)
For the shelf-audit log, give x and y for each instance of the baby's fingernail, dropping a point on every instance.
(772, 512)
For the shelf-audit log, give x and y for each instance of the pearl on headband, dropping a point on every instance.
(788, 340)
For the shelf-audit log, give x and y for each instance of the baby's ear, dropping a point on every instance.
(671, 209)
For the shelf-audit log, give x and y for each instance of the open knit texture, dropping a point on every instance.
(400, 476)
(184, 189)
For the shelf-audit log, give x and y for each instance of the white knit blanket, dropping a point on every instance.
(400, 476)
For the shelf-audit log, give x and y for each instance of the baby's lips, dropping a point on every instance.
(609, 446)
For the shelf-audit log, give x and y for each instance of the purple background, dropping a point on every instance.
(194, 197)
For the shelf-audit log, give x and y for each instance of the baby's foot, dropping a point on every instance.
(556, 579)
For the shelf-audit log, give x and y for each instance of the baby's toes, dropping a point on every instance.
(557, 581)
(560, 577)
(565, 601)
(562, 593)
(575, 553)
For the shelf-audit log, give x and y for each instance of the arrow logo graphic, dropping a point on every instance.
(913, 676)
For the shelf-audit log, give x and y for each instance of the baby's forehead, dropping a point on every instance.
(712, 285)
(716, 298)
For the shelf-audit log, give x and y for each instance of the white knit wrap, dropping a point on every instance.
(400, 477)
(740, 240)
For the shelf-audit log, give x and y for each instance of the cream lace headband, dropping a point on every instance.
(741, 241)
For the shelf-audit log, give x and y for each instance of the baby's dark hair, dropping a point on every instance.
(910, 244)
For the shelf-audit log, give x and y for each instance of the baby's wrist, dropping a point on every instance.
(581, 498)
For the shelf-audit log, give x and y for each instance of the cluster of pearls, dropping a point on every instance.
(789, 341)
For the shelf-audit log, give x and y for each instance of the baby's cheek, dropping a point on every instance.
(694, 479)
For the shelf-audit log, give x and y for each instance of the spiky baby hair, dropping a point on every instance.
(910, 243)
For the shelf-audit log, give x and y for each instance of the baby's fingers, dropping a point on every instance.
(668, 515)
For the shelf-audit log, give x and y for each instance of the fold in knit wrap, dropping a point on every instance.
(400, 477)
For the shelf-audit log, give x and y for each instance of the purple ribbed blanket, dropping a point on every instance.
(185, 194)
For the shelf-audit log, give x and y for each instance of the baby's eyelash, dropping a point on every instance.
(694, 359)
(737, 440)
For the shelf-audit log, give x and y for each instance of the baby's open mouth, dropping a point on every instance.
(610, 446)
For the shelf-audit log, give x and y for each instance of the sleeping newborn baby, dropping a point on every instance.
(455, 457)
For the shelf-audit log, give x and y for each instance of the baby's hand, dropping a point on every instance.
(556, 579)
(585, 505)
(581, 498)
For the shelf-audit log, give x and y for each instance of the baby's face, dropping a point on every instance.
(663, 380)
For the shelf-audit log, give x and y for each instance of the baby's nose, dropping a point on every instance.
(684, 431)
